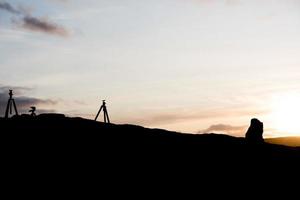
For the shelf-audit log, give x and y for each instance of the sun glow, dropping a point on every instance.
(285, 114)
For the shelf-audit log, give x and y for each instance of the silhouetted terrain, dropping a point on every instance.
(54, 150)
(53, 133)
(288, 141)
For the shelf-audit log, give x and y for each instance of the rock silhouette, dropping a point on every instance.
(254, 133)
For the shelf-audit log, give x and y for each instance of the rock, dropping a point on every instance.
(254, 133)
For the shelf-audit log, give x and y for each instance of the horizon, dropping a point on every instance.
(289, 140)
(183, 65)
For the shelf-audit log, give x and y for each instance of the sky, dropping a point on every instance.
(185, 65)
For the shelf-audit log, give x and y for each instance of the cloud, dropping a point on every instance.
(23, 102)
(156, 119)
(32, 23)
(17, 90)
(175, 116)
(225, 128)
(9, 8)
(36, 24)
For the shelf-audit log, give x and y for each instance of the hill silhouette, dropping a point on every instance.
(55, 133)
(288, 141)
(54, 150)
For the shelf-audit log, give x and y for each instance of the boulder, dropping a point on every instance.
(254, 133)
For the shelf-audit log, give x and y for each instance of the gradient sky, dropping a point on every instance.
(184, 65)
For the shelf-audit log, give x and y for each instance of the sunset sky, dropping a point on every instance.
(185, 65)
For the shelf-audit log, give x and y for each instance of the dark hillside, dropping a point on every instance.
(57, 133)
(57, 151)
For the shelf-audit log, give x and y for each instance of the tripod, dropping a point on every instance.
(10, 105)
(103, 106)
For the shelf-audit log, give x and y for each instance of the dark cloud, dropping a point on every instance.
(36, 24)
(29, 22)
(9, 8)
(26, 102)
(17, 90)
(225, 128)
(23, 102)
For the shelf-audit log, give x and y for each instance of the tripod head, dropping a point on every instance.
(103, 103)
(32, 111)
(10, 94)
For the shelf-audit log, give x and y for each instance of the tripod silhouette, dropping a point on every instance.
(32, 111)
(103, 106)
(10, 105)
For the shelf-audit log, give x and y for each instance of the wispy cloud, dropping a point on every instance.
(17, 90)
(9, 8)
(152, 119)
(36, 24)
(32, 23)
(168, 117)
(225, 128)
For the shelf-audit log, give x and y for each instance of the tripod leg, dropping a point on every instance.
(106, 113)
(7, 109)
(10, 108)
(15, 107)
(98, 113)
